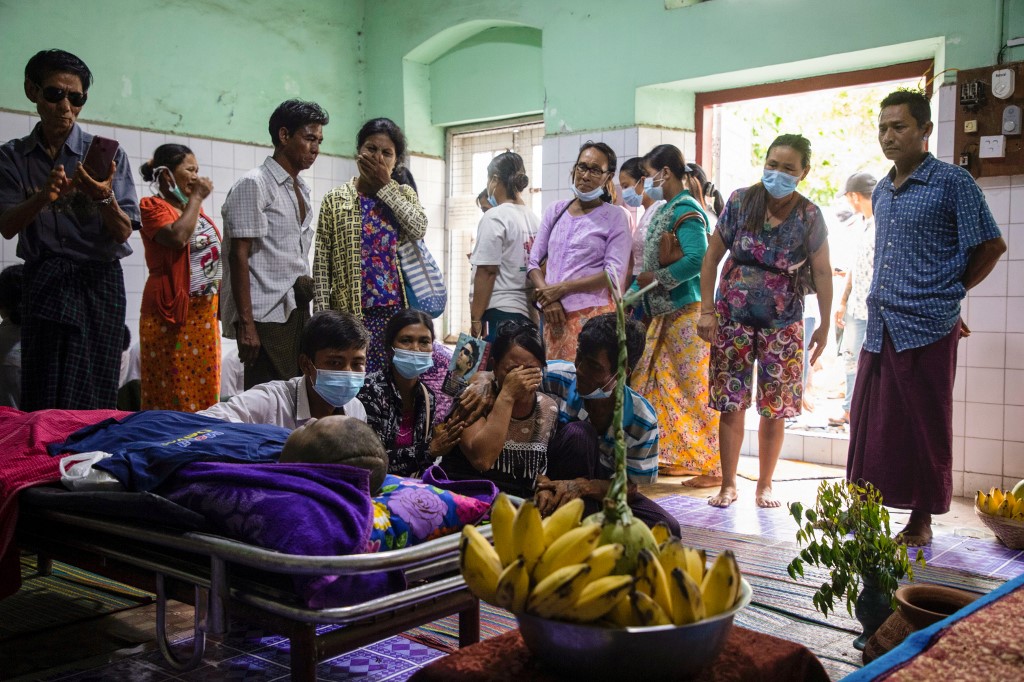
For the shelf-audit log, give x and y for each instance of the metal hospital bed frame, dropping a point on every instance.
(227, 579)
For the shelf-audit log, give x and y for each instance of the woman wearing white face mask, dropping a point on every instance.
(769, 230)
(632, 180)
(673, 373)
(399, 406)
(583, 240)
(179, 335)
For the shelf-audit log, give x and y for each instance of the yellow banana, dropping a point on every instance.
(997, 497)
(696, 564)
(1008, 495)
(660, 532)
(646, 611)
(528, 534)
(600, 596)
(503, 514)
(555, 595)
(651, 579)
(672, 554)
(602, 560)
(621, 615)
(981, 501)
(572, 548)
(1004, 509)
(562, 520)
(1019, 509)
(513, 586)
(479, 563)
(721, 585)
(687, 601)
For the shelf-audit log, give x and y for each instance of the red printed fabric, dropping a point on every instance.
(24, 462)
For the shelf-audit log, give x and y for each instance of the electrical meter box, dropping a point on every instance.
(988, 130)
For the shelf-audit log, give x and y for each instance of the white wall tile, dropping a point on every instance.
(974, 482)
(958, 484)
(1016, 204)
(1015, 351)
(568, 148)
(947, 103)
(817, 450)
(792, 446)
(994, 284)
(984, 385)
(986, 349)
(959, 410)
(958, 453)
(998, 200)
(1014, 236)
(1015, 312)
(983, 456)
(960, 384)
(1013, 459)
(1014, 423)
(987, 314)
(840, 451)
(983, 421)
(1013, 390)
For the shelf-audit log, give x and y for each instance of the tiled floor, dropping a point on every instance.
(248, 654)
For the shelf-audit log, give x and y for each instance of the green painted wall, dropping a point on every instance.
(215, 68)
(495, 74)
(596, 54)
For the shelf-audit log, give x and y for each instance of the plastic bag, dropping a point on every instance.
(77, 472)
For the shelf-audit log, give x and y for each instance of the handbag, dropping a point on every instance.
(424, 283)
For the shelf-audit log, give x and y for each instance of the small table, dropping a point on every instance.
(748, 656)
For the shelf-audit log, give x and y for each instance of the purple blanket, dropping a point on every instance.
(305, 509)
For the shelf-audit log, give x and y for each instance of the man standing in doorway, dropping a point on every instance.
(72, 234)
(852, 313)
(935, 239)
(267, 234)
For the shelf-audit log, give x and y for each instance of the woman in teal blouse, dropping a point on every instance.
(673, 373)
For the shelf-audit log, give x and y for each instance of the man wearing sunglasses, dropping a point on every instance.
(72, 231)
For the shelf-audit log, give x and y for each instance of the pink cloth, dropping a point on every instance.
(24, 462)
(581, 246)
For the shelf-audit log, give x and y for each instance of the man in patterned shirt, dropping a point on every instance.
(267, 234)
(935, 239)
(852, 313)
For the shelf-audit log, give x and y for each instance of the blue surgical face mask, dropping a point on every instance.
(175, 191)
(602, 392)
(631, 198)
(588, 196)
(652, 192)
(411, 363)
(338, 387)
(491, 199)
(779, 184)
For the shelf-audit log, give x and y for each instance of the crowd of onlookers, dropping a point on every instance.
(342, 337)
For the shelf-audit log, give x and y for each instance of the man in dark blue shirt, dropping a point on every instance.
(935, 239)
(72, 232)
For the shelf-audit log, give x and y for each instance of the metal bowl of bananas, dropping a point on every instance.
(596, 602)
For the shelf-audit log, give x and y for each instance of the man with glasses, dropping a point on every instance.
(72, 232)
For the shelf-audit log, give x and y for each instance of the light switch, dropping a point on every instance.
(992, 147)
(1012, 120)
(1003, 83)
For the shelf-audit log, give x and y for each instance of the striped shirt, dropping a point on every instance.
(639, 422)
(925, 231)
(262, 206)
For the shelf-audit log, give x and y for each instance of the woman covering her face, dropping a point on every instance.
(355, 266)
(509, 445)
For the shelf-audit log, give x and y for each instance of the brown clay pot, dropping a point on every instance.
(923, 605)
(919, 606)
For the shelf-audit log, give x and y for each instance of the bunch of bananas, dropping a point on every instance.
(999, 503)
(556, 568)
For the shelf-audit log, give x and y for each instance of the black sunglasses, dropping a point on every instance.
(54, 95)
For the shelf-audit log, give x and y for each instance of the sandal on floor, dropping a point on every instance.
(840, 421)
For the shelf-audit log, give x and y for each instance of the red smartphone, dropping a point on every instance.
(97, 159)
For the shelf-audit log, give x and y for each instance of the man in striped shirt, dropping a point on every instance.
(581, 455)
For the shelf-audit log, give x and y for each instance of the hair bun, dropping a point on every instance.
(520, 181)
(146, 169)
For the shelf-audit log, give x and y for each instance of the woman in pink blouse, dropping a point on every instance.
(581, 240)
